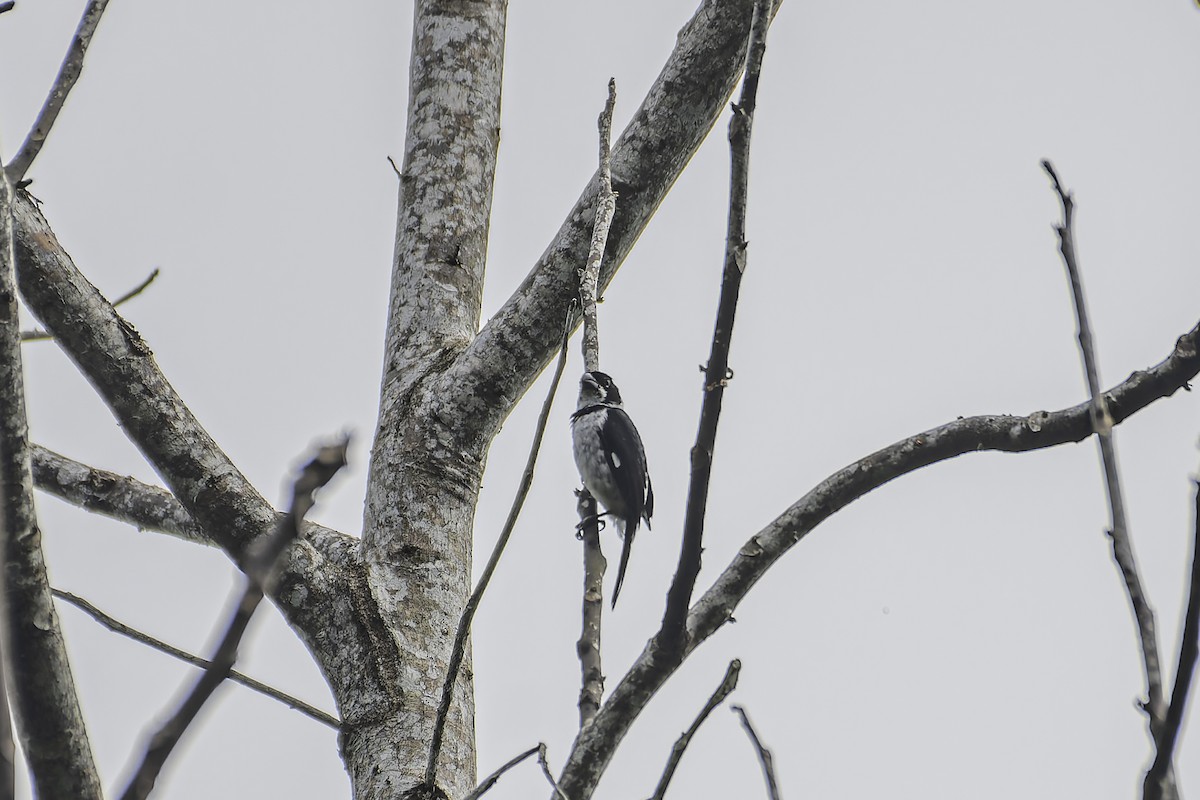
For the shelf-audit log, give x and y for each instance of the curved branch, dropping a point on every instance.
(595, 745)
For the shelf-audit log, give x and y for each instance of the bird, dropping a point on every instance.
(611, 460)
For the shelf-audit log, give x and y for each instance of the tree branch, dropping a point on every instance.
(68, 74)
(115, 496)
(147, 507)
(116, 626)
(49, 720)
(595, 744)
(468, 615)
(260, 572)
(591, 692)
(764, 755)
(1159, 781)
(1122, 543)
(717, 373)
(728, 684)
(665, 131)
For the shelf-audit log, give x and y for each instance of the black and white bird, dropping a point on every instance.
(611, 460)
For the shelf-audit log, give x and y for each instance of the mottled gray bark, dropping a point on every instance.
(45, 705)
(425, 473)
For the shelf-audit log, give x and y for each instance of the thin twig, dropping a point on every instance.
(68, 74)
(606, 208)
(541, 751)
(116, 626)
(490, 780)
(260, 568)
(1158, 783)
(1102, 423)
(764, 755)
(594, 564)
(41, 335)
(464, 623)
(728, 684)
(717, 373)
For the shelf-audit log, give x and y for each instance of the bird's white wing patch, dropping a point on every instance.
(616, 459)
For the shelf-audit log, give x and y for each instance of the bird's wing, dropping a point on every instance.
(627, 457)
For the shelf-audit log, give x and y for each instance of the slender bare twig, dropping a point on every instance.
(606, 208)
(595, 745)
(116, 626)
(41, 335)
(541, 751)
(1158, 783)
(68, 73)
(717, 373)
(395, 168)
(49, 720)
(594, 564)
(1102, 423)
(490, 780)
(764, 755)
(468, 614)
(259, 569)
(728, 684)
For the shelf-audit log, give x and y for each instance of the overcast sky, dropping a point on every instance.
(959, 633)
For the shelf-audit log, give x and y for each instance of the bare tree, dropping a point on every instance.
(383, 614)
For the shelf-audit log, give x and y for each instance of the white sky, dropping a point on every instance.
(959, 633)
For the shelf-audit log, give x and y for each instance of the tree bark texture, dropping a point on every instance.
(425, 473)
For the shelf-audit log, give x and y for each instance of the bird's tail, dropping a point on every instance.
(625, 549)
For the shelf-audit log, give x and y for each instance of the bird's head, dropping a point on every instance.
(597, 388)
